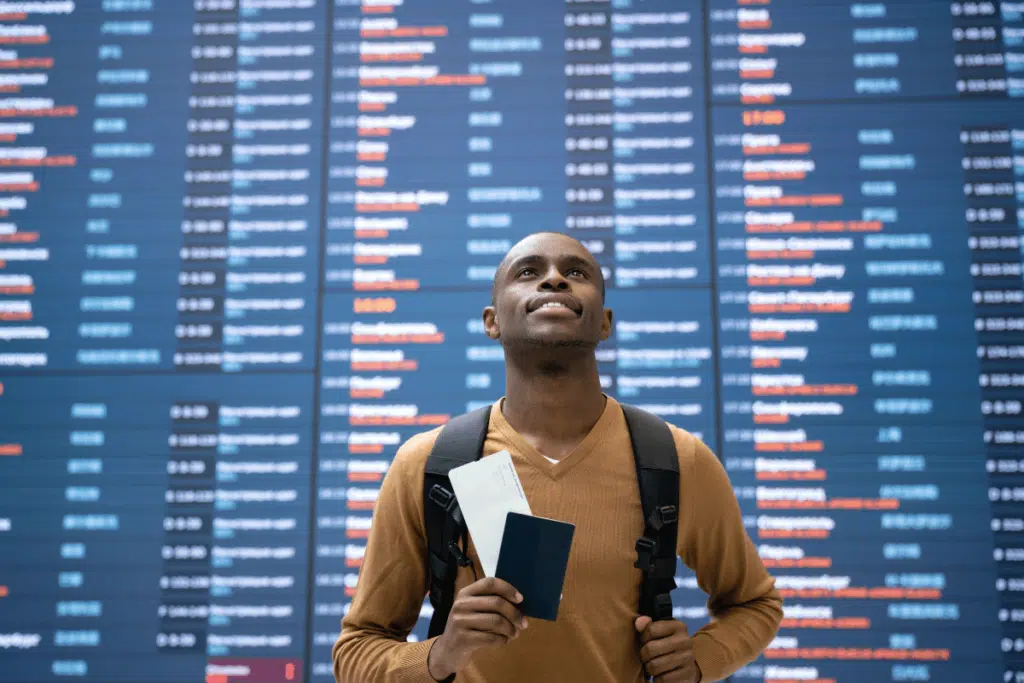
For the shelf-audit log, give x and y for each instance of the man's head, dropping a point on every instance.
(548, 292)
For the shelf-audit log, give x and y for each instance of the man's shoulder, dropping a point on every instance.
(698, 464)
(686, 441)
(690, 447)
(412, 454)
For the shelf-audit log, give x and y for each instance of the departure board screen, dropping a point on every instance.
(245, 246)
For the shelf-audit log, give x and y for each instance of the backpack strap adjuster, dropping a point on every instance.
(646, 547)
(665, 514)
(656, 565)
(442, 497)
(460, 557)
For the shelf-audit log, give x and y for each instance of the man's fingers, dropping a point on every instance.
(510, 612)
(662, 665)
(653, 649)
(494, 586)
(666, 649)
(494, 603)
(489, 622)
(663, 629)
(487, 638)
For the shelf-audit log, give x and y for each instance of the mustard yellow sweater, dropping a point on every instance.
(593, 640)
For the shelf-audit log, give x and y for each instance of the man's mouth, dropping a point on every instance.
(555, 302)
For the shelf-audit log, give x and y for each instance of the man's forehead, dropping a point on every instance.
(543, 246)
(547, 245)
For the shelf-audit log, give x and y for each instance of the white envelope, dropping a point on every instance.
(487, 490)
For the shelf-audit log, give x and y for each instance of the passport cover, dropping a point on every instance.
(533, 558)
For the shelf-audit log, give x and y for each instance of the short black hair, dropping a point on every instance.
(504, 263)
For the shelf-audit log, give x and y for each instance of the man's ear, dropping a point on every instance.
(606, 324)
(491, 323)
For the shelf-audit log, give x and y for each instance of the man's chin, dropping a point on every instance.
(553, 342)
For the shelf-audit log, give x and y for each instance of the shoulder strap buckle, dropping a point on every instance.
(460, 557)
(662, 515)
(653, 563)
(646, 548)
(442, 497)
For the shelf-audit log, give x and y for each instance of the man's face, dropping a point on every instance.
(548, 294)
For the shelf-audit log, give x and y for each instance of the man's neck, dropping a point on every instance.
(553, 400)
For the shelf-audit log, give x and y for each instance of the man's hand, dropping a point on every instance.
(667, 651)
(484, 614)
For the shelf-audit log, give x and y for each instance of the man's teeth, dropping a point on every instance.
(554, 304)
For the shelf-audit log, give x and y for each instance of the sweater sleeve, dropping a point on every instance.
(392, 585)
(743, 603)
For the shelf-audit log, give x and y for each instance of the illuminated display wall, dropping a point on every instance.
(244, 247)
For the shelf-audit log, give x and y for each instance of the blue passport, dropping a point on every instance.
(533, 558)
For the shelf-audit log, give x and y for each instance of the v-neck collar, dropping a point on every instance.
(557, 469)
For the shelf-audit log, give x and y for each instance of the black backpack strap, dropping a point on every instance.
(460, 441)
(657, 470)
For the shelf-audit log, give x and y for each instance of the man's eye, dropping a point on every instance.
(524, 271)
(577, 271)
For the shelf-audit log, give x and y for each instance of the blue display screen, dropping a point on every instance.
(245, 246)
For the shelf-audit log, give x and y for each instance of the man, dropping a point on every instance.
(572, 451)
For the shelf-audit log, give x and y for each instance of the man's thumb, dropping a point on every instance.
(641, 623)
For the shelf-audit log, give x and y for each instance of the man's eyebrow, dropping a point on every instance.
(565, 260)
(529, 259)
(574, 260)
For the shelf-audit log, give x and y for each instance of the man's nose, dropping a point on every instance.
(554, 280)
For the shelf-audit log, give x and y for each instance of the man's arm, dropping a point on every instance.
(392, 584)
(745, 606)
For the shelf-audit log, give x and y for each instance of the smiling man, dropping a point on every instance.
(572, 451)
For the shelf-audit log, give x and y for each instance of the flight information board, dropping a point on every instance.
(244, 247)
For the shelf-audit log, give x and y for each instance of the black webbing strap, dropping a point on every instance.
(460, 441)
(657, 470)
